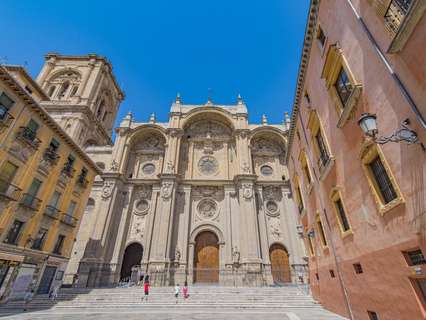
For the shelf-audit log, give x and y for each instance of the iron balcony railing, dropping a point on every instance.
(30, 201)
(51, 155)
(29, 136)
(323, 161)
(5, 118)
(69, 220)
(68, 170)
(52, 212)
(82, 181)
(396, 13)
(9, 191)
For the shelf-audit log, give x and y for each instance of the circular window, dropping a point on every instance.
(208, 165)
(148, 169)
(207, 208)
(266, 170)
(141, 206)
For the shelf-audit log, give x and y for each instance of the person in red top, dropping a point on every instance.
(146, 287)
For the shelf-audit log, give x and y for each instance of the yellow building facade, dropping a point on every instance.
(45, 181)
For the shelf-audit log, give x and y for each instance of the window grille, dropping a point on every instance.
(396, 13)
(343, 86)
(415, 257)
(342, 215)
(383, 181)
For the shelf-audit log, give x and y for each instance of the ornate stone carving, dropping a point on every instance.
(170, 167)
(235, 255)
(148, 169)
(267, 147)
(208, 129)
(114, 166)
(208, 165)
(166, 190)
(247, 190)
(141, 207)
(207, 208)
(144, 192)
(272, 208)
(271, 193)
(177, 255)
(205, 191)
(275, 228)
(151, 144)
(246, 168)
(107, 190)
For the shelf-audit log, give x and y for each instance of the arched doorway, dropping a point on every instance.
(206, 258)
(132, 257)
(280, 265)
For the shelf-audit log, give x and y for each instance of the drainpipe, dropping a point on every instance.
(395, 76)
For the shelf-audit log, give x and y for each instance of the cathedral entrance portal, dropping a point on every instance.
(280, 264)
(132, 257)
(206, 258)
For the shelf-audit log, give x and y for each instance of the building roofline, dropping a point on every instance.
(88, 57)
(25, 73)
(303, 66)
(20, 91)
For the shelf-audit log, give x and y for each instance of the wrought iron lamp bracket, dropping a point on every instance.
(403, 134)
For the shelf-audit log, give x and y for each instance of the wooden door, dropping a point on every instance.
(206, 258)
(280, 264)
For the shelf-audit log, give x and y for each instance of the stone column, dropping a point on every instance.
(85, 78)
(229, 190)
(121, 238)
(263, 227)
(41, 79)
(186, 222)
(149, 226)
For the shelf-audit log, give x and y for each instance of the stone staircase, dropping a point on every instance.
(203, 299)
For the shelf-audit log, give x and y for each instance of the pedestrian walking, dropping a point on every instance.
(54, 293)
(177, 292)
(146, 288)
(185, 290)
(28, 297)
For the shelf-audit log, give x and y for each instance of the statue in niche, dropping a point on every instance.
(166, 190)
(177, 255)
(114, 166)
(246, 168)
(170, 167)
(235, 255)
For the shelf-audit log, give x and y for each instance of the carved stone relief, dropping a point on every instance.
(207, 209)
(208, 165)
(166, 190)
(247, 190)
(208, 129)
(107, 190)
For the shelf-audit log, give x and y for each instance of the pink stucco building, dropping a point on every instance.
(362, 202)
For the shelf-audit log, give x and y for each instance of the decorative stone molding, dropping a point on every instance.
(107, 190)
(271, 208)
(207, 209)
(208, 165)
(114, 166)
(166, 190)
(247, 190)
(141, 207)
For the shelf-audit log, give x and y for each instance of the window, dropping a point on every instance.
(30, 131)
(68, 167)
(332, 274)
(63, 89)
(29, 199)
(305, 169)
(311, 243)
(321, 36)
(28, 89)
(317, 276)
(320, 144)
(71, 208)
(340, 211)
(51, 91)
(372, 315)
(414, 257)
(7, 174)
(321, 231)
(59, 244)
(380, 179)
(395, 14)
(14, 232)
(39, 239)
(52, 207)
(299, 198)
(54, 145)
(100, 109)
(307, 98)
(322, 149)
(420, 289)
(5, 104)
(358, 268)
(74, 91)
(343, 86)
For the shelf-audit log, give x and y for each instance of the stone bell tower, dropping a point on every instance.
(84, 96)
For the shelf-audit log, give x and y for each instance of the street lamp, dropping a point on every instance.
(368, 124)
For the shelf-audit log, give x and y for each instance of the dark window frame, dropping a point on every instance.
(344, 221)
(12, 236)
(343, 86)
(383, 182)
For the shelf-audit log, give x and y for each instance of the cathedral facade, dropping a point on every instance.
(203, 197)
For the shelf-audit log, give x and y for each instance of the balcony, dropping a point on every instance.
(323, 161)
(396, 13)
(31, 202)
(69, 220)
(68, 170)
(29, 137)
(82, 182)
(9, 191)
(52, 212)
(51, 155)
(5, 118)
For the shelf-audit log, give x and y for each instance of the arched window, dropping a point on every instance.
(100, 109)
(51, 91)
(63, 90)
(74, 91)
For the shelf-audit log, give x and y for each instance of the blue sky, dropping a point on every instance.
(162, 47)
